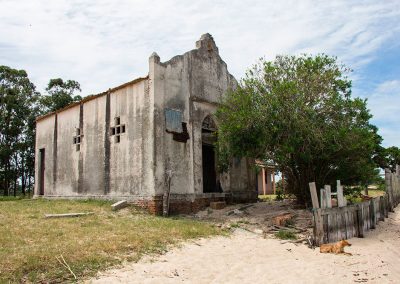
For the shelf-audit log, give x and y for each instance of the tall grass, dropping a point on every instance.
(30, 244)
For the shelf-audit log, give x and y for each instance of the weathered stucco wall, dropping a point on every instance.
(135, 166)
(44, 140)
(194, 84)
(129, 166)
(101, 166)
(67, 162)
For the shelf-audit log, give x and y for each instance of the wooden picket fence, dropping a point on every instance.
(347, 221)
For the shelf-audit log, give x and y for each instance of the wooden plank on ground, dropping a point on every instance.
(66, 215)
(119, 205)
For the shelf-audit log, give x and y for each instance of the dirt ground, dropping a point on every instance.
(252, 255)
(257, 217)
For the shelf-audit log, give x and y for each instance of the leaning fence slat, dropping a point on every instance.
(314, 195)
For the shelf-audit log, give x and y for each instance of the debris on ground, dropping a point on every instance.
(119, 205)
(217, 205)
(263, 218)
(282, 219)
(66, 215)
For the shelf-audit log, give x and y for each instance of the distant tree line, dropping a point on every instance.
(20, 104)
(297, 112)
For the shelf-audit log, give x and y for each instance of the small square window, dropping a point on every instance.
(78, 131)
(74, 140)
(117, 121)
(123, 128)
(78, 147)
(112, 130)
(117, 139)
(118, 129)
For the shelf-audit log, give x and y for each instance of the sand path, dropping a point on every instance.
(246, 257)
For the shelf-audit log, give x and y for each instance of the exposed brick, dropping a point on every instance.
(218, 205)
(182, 206)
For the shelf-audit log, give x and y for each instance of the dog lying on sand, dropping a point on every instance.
(336, 248)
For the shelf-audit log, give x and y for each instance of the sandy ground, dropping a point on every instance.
(246, 257)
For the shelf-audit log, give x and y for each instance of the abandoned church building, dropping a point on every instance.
(123, 143)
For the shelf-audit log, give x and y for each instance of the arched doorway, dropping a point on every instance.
(210, 181)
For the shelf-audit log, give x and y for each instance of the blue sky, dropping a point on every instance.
(102, 43)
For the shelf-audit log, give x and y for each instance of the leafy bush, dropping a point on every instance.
(279, 195)
(352, 193)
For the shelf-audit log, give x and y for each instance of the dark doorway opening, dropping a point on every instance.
(209, 173)
(210, 177)
(41, 171)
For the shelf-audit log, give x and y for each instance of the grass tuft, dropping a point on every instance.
(286, 235)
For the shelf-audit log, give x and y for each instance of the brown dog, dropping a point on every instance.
(335, 248)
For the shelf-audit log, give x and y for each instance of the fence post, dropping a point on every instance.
(381, 209)
(386, 205)
(340, 197)
(318, 224)
(360, 221)
(314, 195)
(388, 183)
(328, 196)
(397, 184)
(372, 213)
(323, 198)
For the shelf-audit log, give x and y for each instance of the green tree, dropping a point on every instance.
(60, 94)
(392, 157)
(298, 113)
(17, 111)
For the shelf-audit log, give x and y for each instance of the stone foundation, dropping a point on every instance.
(186, 204)
(179, 203)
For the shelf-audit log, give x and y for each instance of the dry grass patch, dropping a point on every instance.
(29, 244)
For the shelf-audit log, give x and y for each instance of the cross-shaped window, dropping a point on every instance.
(78, 139)
(117, 130)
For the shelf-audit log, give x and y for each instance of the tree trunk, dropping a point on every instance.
(29, 186)
(366, 189)
(23, 179)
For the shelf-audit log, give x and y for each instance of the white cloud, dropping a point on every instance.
(105, 43)
(385, 107)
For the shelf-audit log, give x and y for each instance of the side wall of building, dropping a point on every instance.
(101, 166)
(44, 142)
